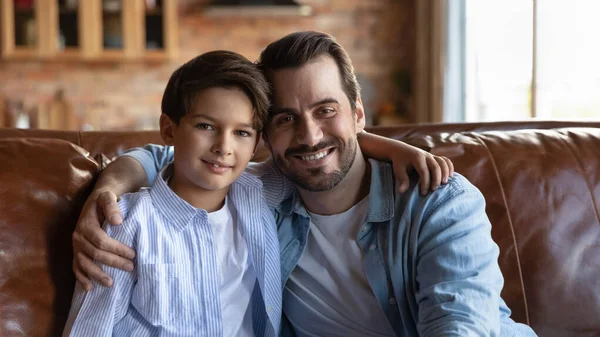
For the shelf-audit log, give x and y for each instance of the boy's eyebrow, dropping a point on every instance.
(277, 111)
(246, 125)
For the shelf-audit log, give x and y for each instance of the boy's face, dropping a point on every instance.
(215, 141)
(312, 134)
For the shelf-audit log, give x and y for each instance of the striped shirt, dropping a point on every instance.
(174, 288)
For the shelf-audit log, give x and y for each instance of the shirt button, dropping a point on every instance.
(392, 301)
(372, 247)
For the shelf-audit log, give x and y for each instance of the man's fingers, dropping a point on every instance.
(99, 240)
(108, 202)
(108, 255)
(82, 278)
(444, 168)
(88, 267)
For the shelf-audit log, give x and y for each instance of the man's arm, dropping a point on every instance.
(96, 313)
(458, 276)
(432, 170)
(128, 173)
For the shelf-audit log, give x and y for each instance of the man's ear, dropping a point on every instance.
(167, 130)
(360, 116)
(265, 139)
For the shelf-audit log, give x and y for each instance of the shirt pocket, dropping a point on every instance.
(161, 291)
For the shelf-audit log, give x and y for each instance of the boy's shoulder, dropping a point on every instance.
(135, 206)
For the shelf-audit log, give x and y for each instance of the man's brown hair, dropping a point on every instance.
(299, 48)
(220, 68)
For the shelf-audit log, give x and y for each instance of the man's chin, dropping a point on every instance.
(324, 182)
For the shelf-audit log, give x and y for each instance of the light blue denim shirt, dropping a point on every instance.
(430, 260)
(174, 287)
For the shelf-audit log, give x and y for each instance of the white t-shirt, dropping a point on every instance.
(328, 293)
(237, 274)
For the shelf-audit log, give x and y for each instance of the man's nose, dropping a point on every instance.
(309, 132)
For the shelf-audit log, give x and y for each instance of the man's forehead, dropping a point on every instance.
(309, 83)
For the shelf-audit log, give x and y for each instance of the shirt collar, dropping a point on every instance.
(178, 211)
(381, 195)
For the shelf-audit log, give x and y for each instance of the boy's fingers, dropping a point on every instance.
(108, 202)
(424, 174)
(402, 180)
(444, 168)
(436, 173)
(450, 165)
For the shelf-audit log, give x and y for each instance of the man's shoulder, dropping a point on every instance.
(456, 195)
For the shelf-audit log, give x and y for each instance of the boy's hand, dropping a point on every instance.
(90, 242)
(433, 170)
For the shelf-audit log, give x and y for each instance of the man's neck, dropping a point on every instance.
(198, 197)
(350, 191)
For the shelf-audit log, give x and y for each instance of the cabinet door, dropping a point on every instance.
(68, 27)
(160, 28)
(23, 23)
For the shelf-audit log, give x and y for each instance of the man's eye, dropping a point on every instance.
(204, 126)
(327, 111)
(243, 133)
(285, 120)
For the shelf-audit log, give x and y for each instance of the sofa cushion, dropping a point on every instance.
(43, 185)
(542, 192)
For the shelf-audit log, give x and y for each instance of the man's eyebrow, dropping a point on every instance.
(324, 101)
(278, 111)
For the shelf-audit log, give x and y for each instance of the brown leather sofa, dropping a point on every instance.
(541, 181)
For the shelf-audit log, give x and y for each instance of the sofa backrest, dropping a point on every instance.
(542, 189)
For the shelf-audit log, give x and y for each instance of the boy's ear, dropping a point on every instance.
(167, 130)
(360, 116)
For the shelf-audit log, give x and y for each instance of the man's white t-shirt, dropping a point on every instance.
(328, 293)
(236, 272)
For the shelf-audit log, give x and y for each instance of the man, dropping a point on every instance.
(358, 257)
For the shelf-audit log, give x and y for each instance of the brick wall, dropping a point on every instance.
(378, 34)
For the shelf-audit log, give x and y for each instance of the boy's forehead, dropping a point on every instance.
(227, 105)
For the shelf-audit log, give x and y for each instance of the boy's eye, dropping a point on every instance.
(243, 133)
(204, 126)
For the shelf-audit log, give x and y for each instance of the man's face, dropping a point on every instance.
(312, 134)
(214, 142)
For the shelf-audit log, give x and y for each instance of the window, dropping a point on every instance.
(532, 59)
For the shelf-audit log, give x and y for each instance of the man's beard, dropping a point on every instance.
(322, 181)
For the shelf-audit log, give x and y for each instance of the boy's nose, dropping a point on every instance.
(222, 145)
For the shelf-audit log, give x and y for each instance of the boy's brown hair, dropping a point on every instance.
(220, 68)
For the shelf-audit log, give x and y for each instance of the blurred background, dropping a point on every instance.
(103, 64)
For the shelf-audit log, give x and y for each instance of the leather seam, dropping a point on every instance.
(510, 223)
(587, 183)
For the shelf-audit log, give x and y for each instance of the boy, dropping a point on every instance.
(207, 255)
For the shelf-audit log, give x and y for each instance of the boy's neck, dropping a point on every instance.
(196, 196)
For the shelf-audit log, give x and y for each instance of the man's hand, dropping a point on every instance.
(91, 243)
(433, 170)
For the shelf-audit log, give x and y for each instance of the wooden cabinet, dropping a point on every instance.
(89, 29)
